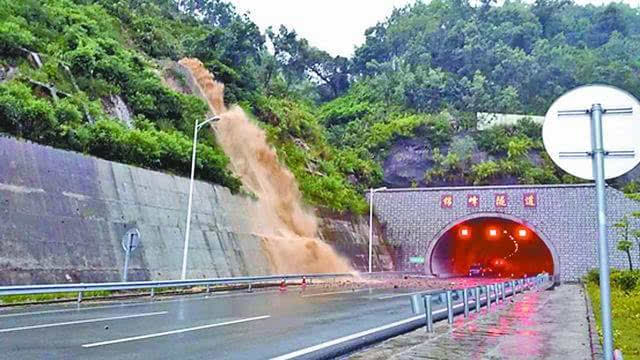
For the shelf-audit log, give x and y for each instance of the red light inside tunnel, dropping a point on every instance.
(465, 232)
(491, 246)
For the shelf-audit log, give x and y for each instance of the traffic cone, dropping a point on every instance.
(283, 285)
(304, 283)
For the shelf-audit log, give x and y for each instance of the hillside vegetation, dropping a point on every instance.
(421, 75)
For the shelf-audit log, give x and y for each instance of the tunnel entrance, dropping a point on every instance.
(490, 247)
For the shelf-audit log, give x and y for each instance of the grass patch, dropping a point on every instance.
(15, 299)
(626, 318)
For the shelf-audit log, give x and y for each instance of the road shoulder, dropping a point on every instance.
(538, 325)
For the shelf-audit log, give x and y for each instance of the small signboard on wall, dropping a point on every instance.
(416, 259)
(530, 200)
(473, 200)
(501, 200)
(446, 201)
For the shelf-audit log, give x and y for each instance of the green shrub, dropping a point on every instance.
(593, 276)
(24, 115)
(13, 37)
(153, 149)
(484, 172)
(627, 281)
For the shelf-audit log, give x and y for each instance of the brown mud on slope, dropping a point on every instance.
(287, 228)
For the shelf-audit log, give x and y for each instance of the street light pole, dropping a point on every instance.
(371, 192)
(185, 254)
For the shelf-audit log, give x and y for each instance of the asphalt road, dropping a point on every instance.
(259, 325)
(236, 325)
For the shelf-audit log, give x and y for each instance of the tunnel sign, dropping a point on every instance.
(473, 200)
(416, 260)
(501, 200)
(446, 201)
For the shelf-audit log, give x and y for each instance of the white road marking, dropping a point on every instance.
(213, 295)
(73, 310)
(148, 336)
(42, 326)
(335, 292)
(327, 344)
(345, 339)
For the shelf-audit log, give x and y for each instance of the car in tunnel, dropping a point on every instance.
(478, 269)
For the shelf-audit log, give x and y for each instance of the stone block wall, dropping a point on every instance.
(564, 217)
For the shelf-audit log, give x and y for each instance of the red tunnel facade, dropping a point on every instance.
(498, 247)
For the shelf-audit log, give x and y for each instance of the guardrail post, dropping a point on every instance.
(153, 292)
(449, 307)
(208, 288)
(488, 294)
(249, 289)
(465, 298)
(415, 303)
(494, 288)
(79, 296)
(504, 292)
(428, 313)
(477, 296)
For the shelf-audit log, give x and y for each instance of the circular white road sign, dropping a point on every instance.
(567, 131)
(133, 236)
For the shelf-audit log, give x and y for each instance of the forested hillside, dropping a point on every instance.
(401, 111)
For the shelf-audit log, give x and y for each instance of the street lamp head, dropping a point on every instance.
(209, 120)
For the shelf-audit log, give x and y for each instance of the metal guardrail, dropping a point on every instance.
(461, 301)
(82, 287)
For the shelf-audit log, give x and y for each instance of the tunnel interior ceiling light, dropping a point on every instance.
(522, 233)
(465, 232)
(493, 232)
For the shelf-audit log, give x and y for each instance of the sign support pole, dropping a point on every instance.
(126, 257)
(598, 169)
(370, 227)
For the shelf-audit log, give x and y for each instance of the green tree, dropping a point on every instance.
(301, 61)
(624, 244)
(636, 233)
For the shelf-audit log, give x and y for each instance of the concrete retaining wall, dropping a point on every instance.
(63, 214)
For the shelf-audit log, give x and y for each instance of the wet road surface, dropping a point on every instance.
(236, 325)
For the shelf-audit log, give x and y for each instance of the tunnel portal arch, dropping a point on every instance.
(442, 235)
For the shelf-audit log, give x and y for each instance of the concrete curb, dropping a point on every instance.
(594, 338)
